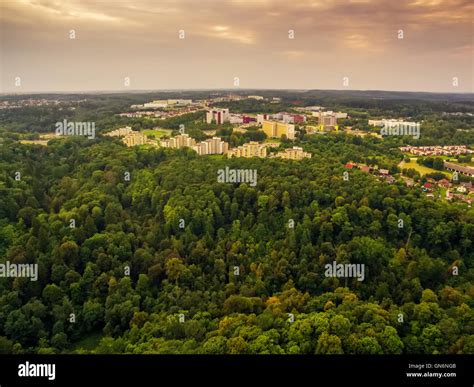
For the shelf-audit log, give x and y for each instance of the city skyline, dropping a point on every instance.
(419, 45)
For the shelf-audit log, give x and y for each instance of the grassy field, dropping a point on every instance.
(157, 132)
(420, 168)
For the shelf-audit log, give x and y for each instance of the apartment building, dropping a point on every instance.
(218, 116)
(278, 129)
(179, 141)
(250, 149)
(391, 123)
(120, 132)
(213, 146)
(295, 153)
(327, 120)
(135, 138)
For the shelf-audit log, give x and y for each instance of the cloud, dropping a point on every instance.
(224, 37)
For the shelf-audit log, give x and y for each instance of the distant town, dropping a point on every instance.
(446, 180)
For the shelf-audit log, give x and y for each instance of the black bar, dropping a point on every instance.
(179, 370)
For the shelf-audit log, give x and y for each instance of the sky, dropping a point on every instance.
(117, 45)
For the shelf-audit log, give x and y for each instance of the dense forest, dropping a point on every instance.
(164, 259)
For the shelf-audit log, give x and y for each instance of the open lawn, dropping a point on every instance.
(157, 132)
(420, 168)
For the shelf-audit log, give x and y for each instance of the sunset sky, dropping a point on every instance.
(225, 39)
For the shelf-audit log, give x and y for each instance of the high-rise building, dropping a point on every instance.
(278, 129)
(219, 116)
(327, 120)
(262, 117)
(179, 141)
(213, 146)
(135, 138)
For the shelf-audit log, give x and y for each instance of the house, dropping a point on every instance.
(365, 168)
(349, 166)
(444, 183)
(390, 179)
(384, 171)
(409, 182)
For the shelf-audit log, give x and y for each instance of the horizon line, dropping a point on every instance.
(235, 90)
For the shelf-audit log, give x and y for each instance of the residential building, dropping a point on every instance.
(135, 138)
(468, 171)
(437, 150)
(327, 121)
(211, 147)
(250, 149)
(293, 118)
(392, 123)
(444, 183)
(295, 153)
(120, 132)
(218, 116)
(235, 119)
(262, 117)
(158, 104)
(278, 129)
(179, 141)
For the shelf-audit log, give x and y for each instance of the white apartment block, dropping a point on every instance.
(262, 117)
(219, 116)
(329, 113)
(211, 146)
(158, 104)
(391, 123)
